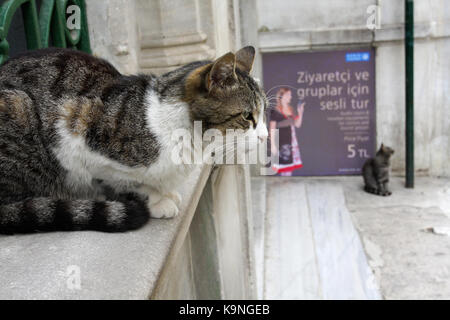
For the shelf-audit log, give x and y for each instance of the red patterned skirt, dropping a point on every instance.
(296, 157)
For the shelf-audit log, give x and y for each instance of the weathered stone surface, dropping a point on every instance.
(111, 266)
(327, 238)
(410, 262)
(312, 250)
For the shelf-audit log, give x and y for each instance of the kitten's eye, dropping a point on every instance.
(247, 116)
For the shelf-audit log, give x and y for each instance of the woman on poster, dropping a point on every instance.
(283, 118)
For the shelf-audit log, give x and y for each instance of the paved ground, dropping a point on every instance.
(308, 245)
(406, 237)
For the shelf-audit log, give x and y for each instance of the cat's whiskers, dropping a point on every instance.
(281, 86)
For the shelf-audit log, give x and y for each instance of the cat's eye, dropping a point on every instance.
(247, 116)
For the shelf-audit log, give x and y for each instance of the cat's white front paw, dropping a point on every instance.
(166, 208)
(176, 197)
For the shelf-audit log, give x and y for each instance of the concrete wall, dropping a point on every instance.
(113, 32)
(216, 260)
(312, 15)
(295, 25)
(158, 36)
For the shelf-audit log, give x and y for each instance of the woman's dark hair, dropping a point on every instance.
(280, 95)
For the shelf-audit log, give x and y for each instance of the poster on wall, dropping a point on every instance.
(323, 105)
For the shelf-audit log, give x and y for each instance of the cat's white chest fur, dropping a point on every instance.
(163, 120)
(84, 165)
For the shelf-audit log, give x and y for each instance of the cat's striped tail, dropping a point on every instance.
(45, 214)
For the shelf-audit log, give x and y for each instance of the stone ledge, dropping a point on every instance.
(112, 266)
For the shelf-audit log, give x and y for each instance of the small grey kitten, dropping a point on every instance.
(376, 172)
(83, 147)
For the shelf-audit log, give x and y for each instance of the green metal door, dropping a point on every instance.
(52, 21)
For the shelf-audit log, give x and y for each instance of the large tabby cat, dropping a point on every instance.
(376, 172)
(83, 147)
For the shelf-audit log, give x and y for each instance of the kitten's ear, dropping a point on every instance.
(382, 146)
(245, 58)
(222, 72)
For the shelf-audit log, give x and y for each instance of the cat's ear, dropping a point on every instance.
(382, 146)
(222, 73)
(245, 58)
